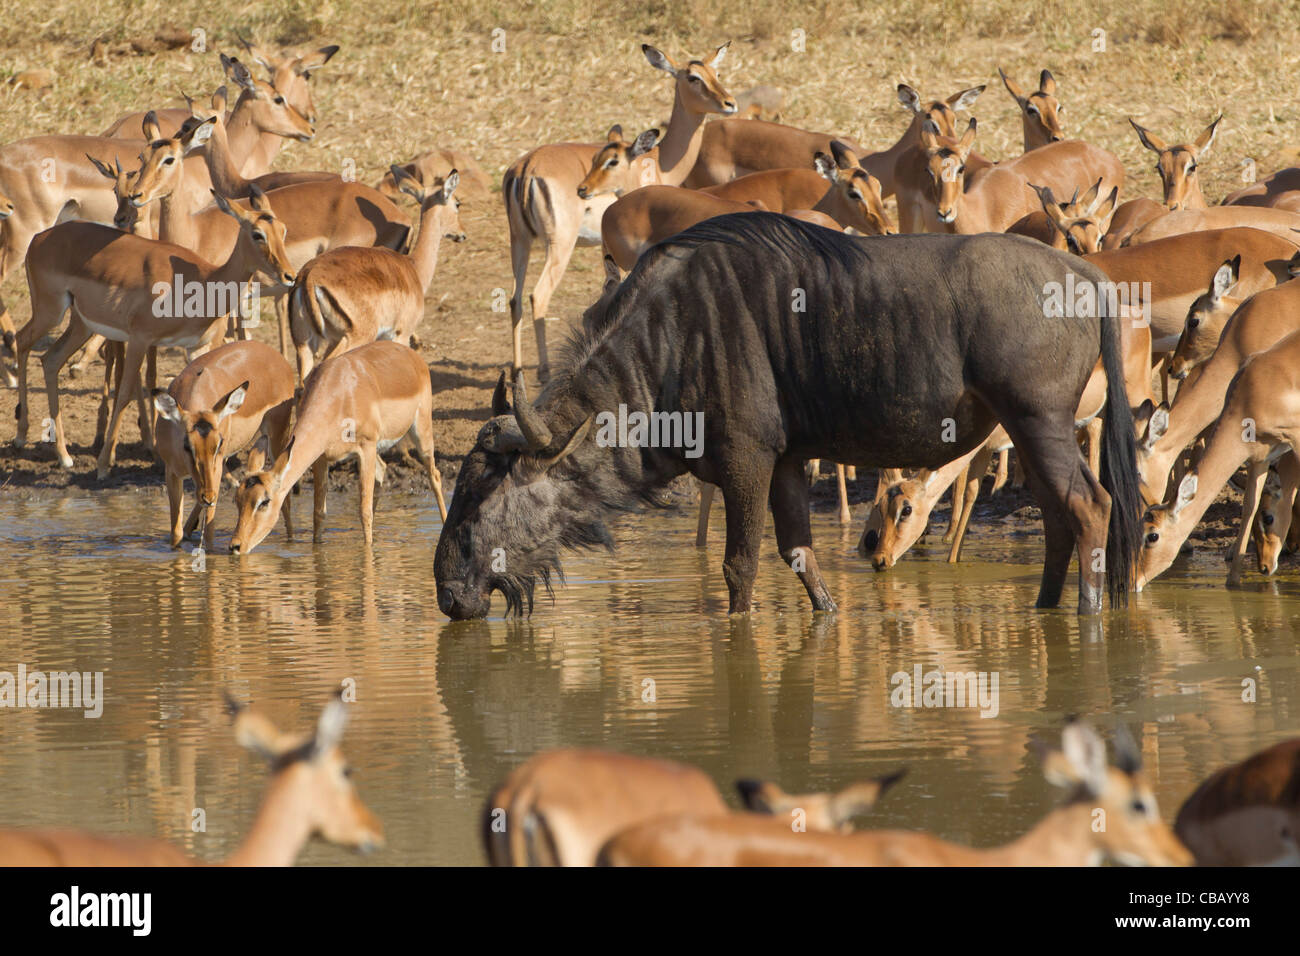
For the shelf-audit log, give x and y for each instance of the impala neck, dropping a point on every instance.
(1187, 419)
(1062, 838)
(1223, 456)
(243, 134)
(310, 429)
(681, 144)
(279, 832)
(222, 167)
(425, 254)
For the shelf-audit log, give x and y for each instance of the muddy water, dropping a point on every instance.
(637, 654)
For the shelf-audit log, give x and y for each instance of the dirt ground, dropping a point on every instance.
(405, 81)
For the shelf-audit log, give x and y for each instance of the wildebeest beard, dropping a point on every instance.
(526, 508)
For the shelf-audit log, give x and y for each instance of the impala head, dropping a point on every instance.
(1133, 833)
(431, 198)
(1040, 110)
(696, 86)
(270, 109)
(829, 812)
(203, 436)
(1177, 165)
(1151, 422)
(942, 113)
(264, 233)
(1078, 225)
(618, 165)
(161, 167)
(257, 503)
(291, 74)
(311, 774)
(858, 203)
(1272, 524)
(127, 216)
(899, 520)
(946, 164)
(521, 497)
(1164, 529)
(1205, 319)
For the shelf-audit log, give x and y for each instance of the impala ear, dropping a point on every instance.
(406, 181)
(929, 135)
(166, 406)
(450, 183)
(825, 166)
(280, 470)
(845, 158)
(329, 728)
(104, 169)
(197, 135)
(658, 59)
(314, 61)
(1047, 83)
(643, 143)
(257, 199)
(859, 798)
(966, 98)
(1186, 492)
(1225, 277)
(239, 74)
(615, 134)
(909, 98)
(1012, 86)
(967, 139)
(1150, 140)
(1206, 139)
(718, 55)
(229, 404)
(1103, 210)
(152, 131)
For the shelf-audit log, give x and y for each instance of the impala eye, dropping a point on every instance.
(1153, 537)
(1031, 110)
(263, 503)
(279, 101)
(1139, 807)
(855, 195)
(169, 160)
(1268, 521)
(907, 511)
(612, 163)
(1193, 322)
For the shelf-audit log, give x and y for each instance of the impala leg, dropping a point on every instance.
(192, 522)
(558, 253)
(972, 476)
(51, 363)
(209, 525)
(175, 500)
(1093, 429)
(422, 439)
(1256, 475)
(706, 504)
(1288, 469)
(144, 400)
(851, 472)
(959, 488)
(282, 323)
(112, 353)
(1000, 477)
(131, 362)
(519, 250)
(366, 455)
(93, 347)
(278, 424)
(845, 516)
(789, 502)
(320, 487)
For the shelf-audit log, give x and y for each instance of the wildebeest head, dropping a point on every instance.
(521, 497)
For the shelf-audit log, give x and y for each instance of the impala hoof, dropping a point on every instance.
(66, 461)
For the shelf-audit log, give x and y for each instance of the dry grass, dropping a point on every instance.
(410, 78)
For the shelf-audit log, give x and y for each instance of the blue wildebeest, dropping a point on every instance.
(907, 352)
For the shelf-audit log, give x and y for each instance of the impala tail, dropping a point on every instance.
(1119, 474)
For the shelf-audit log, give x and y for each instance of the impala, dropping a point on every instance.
(1258, 425)
(560, 807)
(1076, 226)
(349, 296)
(1178, 165)
(938, 192)
(1206, 317)
(1259, 323)
(309, 795)
(1067, 836)
(839, 188)
(290, 75)
(319, 214)
(7, 329)
(359, 403)
(1128, 219)
(540, 189)
(1280, 190)
(1040, 111)
(1280, 222)
(734, 148)
(112, 280)
(1277, 496)
(79, 191)
(1247, 814)
(216, 407)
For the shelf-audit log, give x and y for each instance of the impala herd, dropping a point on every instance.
(151, 235)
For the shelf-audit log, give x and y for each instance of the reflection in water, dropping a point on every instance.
(636, 654)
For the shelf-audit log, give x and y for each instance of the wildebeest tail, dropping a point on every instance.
(1119, 473)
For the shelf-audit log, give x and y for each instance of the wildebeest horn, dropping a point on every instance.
(530, 423)
(500, 404)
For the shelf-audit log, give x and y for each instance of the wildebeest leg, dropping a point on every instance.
(1076, 510)
(789, 501)
(743, 481)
